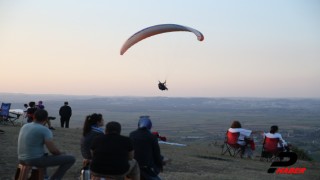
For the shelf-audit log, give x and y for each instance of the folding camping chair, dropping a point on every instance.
(270, 149)
(5, 117)
(231, 145)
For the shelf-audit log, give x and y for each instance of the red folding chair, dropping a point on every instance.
(270, 149)
(231, 145)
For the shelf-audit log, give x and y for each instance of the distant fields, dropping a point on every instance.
(177, 118)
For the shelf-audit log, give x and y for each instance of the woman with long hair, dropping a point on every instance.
(92, 128)
(244, 138)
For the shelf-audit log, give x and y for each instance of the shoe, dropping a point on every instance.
(1, 131)
(52, 128)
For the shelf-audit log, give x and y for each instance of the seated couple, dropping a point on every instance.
(246, 142)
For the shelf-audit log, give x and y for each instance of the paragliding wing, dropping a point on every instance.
(157, 29)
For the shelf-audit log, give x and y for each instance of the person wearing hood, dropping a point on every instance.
(147, 150)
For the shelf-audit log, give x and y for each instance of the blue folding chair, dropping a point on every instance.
(5, 117)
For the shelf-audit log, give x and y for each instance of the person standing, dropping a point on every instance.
(26, 107)
(65, 113)
(31, 151)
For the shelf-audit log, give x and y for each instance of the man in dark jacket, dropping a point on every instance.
(112, 155)
(65, 112)
(147, 150)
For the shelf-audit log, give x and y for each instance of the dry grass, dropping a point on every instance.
(199, 160)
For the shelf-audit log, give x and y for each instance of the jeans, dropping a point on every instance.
(63, 161)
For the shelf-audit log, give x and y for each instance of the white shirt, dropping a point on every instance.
(243, 133)
(276, 135)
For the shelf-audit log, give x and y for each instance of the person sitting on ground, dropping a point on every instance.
(244, 138)
(282, 145)
(31, 141)
(112, 155)
(147, 150)
(91, 129)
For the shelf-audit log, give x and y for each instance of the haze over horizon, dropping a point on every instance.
(268, 49)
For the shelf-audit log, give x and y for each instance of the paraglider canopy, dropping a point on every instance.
(157, 29)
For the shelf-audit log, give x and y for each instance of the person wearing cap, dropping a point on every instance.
(147, 150)
(65, 113)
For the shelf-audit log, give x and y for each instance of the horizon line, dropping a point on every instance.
(135, 96)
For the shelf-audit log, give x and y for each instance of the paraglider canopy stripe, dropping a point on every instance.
(157, 29)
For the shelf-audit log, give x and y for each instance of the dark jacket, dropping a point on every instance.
(86, 143)
(146, 149)
(111, 154)
(65, 111)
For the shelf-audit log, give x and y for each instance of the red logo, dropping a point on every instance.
(290, 170)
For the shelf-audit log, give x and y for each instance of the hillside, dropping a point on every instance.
(198, 160)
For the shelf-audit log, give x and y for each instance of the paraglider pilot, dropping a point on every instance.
(162, 86)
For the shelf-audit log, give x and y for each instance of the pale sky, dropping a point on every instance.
(251, 48)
